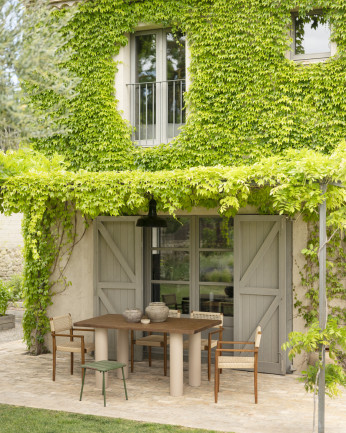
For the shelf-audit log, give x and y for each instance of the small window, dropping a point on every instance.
(158, 84)
(311, 37)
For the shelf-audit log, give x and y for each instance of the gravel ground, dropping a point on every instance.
(15, 333)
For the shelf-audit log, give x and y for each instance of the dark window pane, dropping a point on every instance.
(175, 56)
(170, 265)
(216, 299)
(312, 34)
(145, 58)
(214, 232)
(145, 112)
(145, 94)
(180, 291)
(175, 235)
(216, 266)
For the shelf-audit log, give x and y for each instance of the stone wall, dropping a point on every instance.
(11, 244)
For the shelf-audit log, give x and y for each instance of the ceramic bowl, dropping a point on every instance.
(133, 315)
(145, 321)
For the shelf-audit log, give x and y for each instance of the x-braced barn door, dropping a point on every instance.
(118, 268)
(260, 286)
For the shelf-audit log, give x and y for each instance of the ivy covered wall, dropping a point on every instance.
(246, 100)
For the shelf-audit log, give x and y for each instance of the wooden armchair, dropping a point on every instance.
(62, 329)
(237, 362)
(153, 340)
(208, 343)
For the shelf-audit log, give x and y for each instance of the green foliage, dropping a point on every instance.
(334, 377)
(10, 291)
(5, 297)
(246, 99)
(15, 286)
(261, 129)
(334, 337)
(33, 54)
(336, 273)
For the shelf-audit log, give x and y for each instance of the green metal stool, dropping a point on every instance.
(103, 366)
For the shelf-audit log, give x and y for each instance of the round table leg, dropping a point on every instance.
(123, 351)
(195, 359)
(101, 353)
(176, 365)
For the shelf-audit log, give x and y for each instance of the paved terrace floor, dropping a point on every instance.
(284, 406)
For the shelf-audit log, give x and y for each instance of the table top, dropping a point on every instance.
(171, 325)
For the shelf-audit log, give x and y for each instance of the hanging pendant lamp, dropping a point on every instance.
(151, 220)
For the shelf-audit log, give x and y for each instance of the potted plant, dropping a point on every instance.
(7, 321)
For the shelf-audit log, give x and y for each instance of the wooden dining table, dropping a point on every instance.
(175, 327)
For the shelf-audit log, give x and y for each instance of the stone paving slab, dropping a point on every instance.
(284, 406)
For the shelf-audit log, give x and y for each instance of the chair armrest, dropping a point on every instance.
(60, 335)
(237, 350)
(67, 335)
(84, 329)
(217, 331)
(236, 342)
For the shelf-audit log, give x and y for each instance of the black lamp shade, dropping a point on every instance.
(151, 220)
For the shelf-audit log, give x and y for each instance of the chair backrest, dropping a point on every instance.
(207, 315)
(170, 299)
(174, 313)
(258, 335)
(61, 323)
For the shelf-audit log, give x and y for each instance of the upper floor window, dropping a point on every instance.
(311, 37)
(158, 83)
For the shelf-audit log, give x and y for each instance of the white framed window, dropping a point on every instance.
(157, 85)
(311, 37)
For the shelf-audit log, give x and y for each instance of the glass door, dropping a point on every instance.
(170, 263)
(215, 263)
(191, 265)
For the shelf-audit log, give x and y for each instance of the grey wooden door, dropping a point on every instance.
(260, 286)
(118, 270)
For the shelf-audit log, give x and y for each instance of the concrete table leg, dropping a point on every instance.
(176, 365)
(101, 353)
(195, 359)
(123, 351)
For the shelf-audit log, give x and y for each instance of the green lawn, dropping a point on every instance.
(17, 419)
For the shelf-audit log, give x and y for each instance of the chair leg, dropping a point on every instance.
(165, 354)
(103, 389)
(149, 353)
(132, 354)
(83, 359)
(122, 369)
(81, 391)
(216, 385)
(255, 384)
(54, 363)
(209, 362)
(132, 350)
(72, 363)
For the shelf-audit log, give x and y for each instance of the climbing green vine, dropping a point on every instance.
(246, 99)
(336, 273)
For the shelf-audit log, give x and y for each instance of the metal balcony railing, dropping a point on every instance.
(157, 110)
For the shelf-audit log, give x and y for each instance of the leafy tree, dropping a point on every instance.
(33, 52)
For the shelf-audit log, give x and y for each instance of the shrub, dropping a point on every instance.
(15, 287)
(5, 297)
